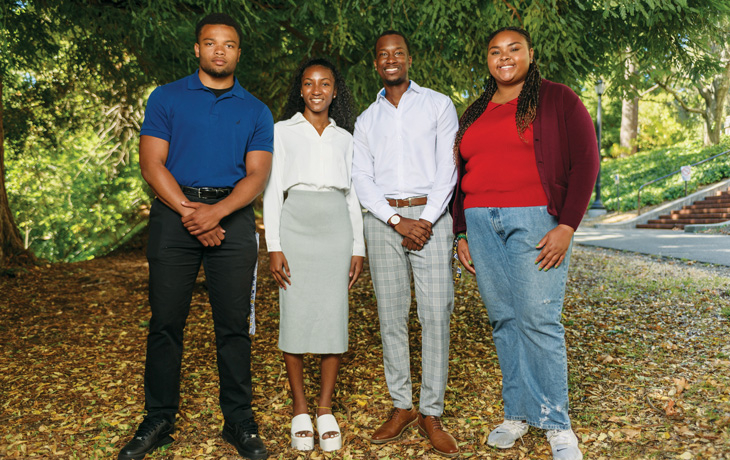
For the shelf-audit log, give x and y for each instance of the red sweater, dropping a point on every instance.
(566, 152)
(500, 167)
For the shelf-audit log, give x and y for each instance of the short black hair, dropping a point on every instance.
(215, 19)
(393, 32)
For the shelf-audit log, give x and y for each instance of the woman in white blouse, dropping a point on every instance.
(314, 235)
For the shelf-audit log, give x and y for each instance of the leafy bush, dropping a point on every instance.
(663, 122)
(643, 167)
(72, 174)
(69, 203)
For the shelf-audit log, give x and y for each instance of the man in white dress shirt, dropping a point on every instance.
(404, 174)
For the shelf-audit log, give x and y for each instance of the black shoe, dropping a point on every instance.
(151, 434)
(244, 436)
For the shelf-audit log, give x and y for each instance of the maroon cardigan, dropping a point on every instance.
(566, 152)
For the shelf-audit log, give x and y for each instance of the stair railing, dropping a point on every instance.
(672, 174)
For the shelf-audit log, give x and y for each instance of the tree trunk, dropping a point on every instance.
(712, 134)
(11, 245)
(722, 87)
(629, 124)
(715, 94)
(629, 116)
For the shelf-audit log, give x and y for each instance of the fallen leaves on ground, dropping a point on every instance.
(649, 362)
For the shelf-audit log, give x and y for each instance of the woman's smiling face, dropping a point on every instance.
(509, 58)
(318, 88)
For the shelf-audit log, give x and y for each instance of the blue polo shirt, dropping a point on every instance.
(209, 137)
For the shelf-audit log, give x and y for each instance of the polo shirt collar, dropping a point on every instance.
(412, 86)
(299, 118)
(194, 83)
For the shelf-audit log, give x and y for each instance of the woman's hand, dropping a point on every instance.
(462, 250)
(279, 268)
(355, 269)
(554, 245)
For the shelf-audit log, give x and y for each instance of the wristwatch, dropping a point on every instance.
(393, 221)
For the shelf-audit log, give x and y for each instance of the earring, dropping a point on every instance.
(301, 95)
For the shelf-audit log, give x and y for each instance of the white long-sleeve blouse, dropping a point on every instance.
(304, 160)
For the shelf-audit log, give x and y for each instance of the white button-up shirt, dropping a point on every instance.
(304, 160)
(406, 151)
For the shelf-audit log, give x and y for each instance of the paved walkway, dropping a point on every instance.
(714, 249)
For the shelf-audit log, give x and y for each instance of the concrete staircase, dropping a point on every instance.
(711, 210)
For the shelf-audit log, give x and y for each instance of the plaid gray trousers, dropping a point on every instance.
(391, 265)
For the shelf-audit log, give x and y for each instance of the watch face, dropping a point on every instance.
(395, 220)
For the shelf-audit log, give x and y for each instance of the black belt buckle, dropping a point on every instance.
(207, 192)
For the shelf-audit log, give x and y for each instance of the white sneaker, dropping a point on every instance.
(505, 435)
(564, 444)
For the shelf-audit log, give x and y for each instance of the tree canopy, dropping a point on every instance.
(76, 72)
(145, 42)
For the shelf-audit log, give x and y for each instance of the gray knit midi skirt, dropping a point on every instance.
(316, 238)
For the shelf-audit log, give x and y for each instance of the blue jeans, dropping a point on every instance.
(524, 306)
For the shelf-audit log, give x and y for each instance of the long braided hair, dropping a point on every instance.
(342, 108)
(526, 103)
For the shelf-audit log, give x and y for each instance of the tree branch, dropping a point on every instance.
(681, 101)
(642, 94)
(514, 11)
(704, 93)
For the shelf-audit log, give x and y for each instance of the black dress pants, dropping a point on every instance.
(174, 260)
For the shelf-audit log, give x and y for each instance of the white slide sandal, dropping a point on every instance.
(300, 423)
(328, 424)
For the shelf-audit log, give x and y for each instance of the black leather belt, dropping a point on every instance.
(207, 192)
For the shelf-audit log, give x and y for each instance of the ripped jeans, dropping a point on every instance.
(524, 306)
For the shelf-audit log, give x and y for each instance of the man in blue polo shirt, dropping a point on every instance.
(205, 149)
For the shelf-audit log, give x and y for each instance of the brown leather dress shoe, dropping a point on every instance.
(399, 420)
(442, 442)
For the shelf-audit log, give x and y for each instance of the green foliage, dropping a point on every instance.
(447, 43)
(663, 123)
(18, 22)
(646, 166)
(76, 71)
(637, 25)
(611, 113)
(74, 206)
(72, 176)
(72, 109)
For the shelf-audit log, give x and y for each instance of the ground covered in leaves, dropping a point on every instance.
(649, 362)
